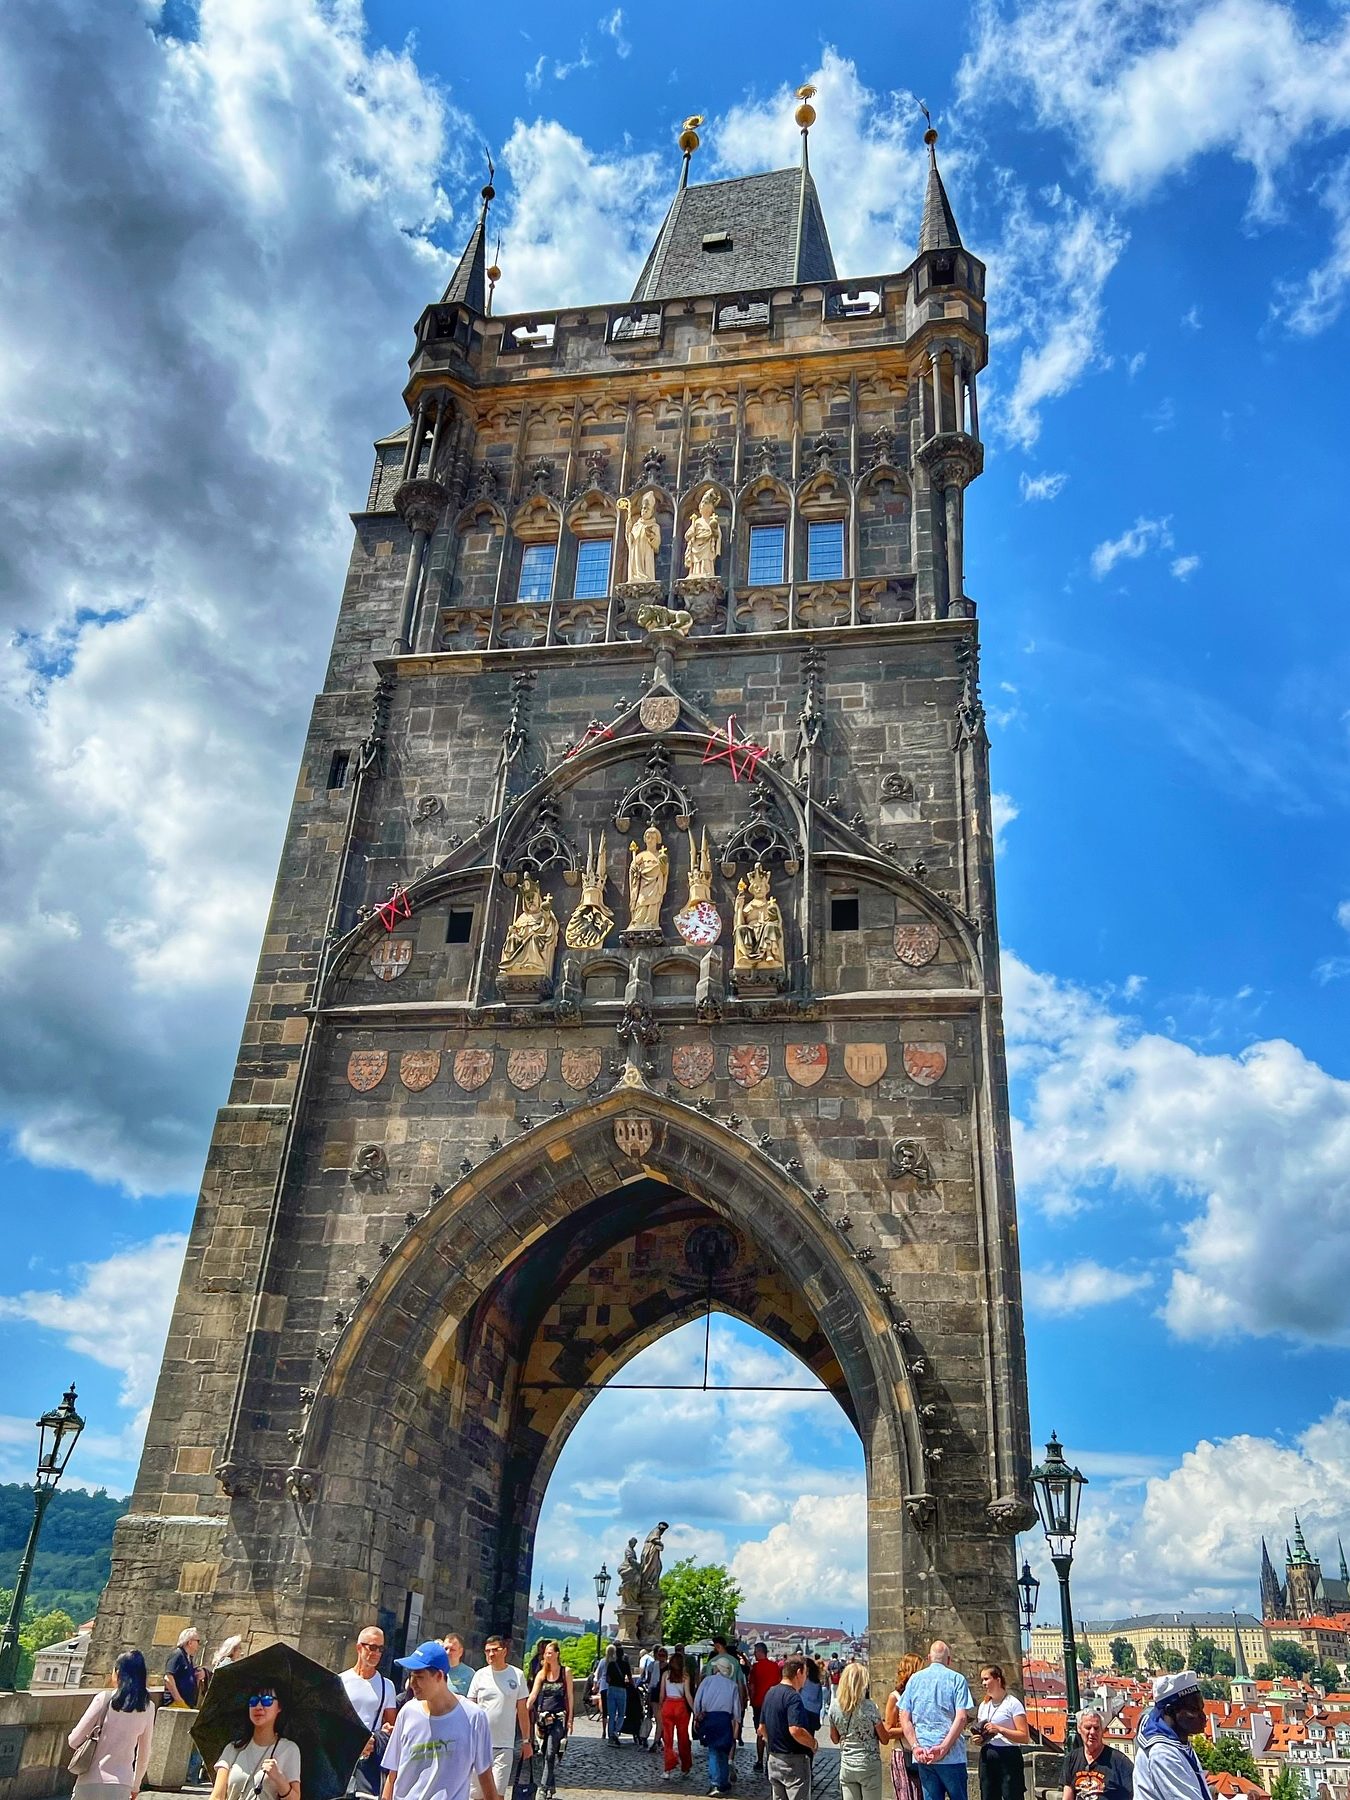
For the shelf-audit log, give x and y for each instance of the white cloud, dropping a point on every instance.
(1003, 810)
(115, 1312)
(812, 1565)
(1142, 536)
(1136, 363)
(613, 27)
(1194, 1541)
(1309, 306)
(237, 236)
(1041, 487)
(1191, 319)
(1343, 915)
(534, 75)
(1244, 1160)
(1081, 1286)
(1183, 567)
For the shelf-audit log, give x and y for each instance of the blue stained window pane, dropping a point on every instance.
(766, 555)
(825, 551)
(592, 568)
(536, 572)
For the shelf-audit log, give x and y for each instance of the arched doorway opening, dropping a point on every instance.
(723, 1432)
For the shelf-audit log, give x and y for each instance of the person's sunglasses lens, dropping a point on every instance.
(262, 1699)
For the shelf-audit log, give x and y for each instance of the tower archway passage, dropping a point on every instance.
(634, 965)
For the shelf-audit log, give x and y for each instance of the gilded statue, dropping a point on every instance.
(648, 873)
(703, 539)
(644, 538)
(592, 921)
(532, 937)
(758, 927)
(698, 921)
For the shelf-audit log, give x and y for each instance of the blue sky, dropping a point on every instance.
(236, 234)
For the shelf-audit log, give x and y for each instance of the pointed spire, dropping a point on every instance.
(468, 284)
(1240, 1670)
(805, 116)
(1345, 1573)
(1300, 1546)
(938, 230)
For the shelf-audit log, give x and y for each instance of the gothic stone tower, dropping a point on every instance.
(633, 951)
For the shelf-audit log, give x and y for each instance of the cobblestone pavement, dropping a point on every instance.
(593, 1767)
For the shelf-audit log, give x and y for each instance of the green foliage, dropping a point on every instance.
(1327, 1675)
(697, 1601)
(38, 1628)
(1265, 1671)
(1213, 1687)
(74, 1551)
(1292, 1658)
(1084, 1655)
(1153, 1653)
(1228, 1755)
(579, 1654)
(1201, 1651)
(1123, 1659)
(1223, 1662)
(1288, 1785)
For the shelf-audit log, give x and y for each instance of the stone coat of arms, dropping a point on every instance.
(925, 1063)
(658, 712)
(916, 945)
(806, 1063)
(748, 1063)
(366, 1069)
(580, 1067)
(417, 1069)
(472, 1068)
(390, 957)
(865, 1063)
(692, 1064)
(634, 1137)
(525, 1068)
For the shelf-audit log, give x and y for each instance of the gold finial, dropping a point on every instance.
(805, 114)
(689, 138)
(494, 275)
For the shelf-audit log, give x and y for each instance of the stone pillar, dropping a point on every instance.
(420, 504)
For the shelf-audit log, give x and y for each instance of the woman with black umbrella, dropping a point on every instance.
(261, 1763)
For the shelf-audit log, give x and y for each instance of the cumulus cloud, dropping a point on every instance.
(1041, 487)
(1145, 90)
(1248, 1156)
(1003, 810)
(237, 237)
(1081, 1286)
(1183, 567)
(116, 1312)
(1193, 1542)
(1143, 535)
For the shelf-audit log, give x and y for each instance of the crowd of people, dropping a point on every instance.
(452, 1732)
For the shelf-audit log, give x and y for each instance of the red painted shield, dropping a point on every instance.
(417, 1069)
(366, 1069)
(916, 945)
(390, 957)
(748, 1063)
(806, 1063)
(692, 1064)
(580, 1067)
(925, 1063)
(525, 1068)
(472, 1068)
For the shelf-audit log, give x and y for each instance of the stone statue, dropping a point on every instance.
(592, 921)
(703, 540)
(664, 618)
(759, 925)
(651, 1566)
(698, 921)
(630, 1576)
(648, 873)
(644, 538)
(532, 938)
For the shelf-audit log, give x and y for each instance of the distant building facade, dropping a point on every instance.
(61, 1665)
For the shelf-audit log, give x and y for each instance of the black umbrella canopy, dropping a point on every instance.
(316, 1715)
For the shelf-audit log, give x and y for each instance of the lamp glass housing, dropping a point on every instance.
(602, 1581)
(59, 1431)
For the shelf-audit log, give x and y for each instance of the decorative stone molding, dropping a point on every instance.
(420, 503)
(1011, 1513)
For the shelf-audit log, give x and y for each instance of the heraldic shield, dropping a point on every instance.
(925, 1063)
(865, 1063)
(748, 1063)
(634, 1136)
(806, 1063)
(692, 1064)
(472, 1068)
(366, 1069)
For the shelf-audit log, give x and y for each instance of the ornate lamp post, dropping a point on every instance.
(1059, 1492)
(1030, 1589)
(58, 1432)
(602, 1581)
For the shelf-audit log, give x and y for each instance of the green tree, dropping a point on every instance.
(1154, 1653)
(579, 1654)
(697, 1601)
(1227, 1755)
(1265, 1671)
(1213, 1687)
(74, 1551)
(37, 1629)
(1223, 1662)
(1123, 1659)
(1202, 1651)
(1288, 1785)
(1290, 1657)
(1084, 1655)
(1328, 1675)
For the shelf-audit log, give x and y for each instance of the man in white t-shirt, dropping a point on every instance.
(439, 1741)
(373, 1701)
(501, 1690)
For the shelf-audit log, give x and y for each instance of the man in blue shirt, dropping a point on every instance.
(934, 1711)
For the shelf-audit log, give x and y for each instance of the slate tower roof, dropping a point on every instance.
(755, 231)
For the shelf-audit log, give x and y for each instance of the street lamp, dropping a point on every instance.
(601, 1589)
(58, 1431)
(1030, 1590)
(1059, 1492)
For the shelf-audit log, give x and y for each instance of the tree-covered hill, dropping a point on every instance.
(73, 1553)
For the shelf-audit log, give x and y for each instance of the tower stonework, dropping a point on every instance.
(633, 952)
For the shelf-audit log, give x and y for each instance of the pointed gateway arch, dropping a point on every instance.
(455, 1186)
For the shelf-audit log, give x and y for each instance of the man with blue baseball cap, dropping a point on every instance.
(439, 1740)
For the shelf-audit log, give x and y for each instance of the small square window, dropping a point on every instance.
(459, 925)
(592, 569)
(536, 572)
(766, 555)
(843, 912)
(825, 550)
(338, 769)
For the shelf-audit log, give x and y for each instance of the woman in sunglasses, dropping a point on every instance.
(260, 1764)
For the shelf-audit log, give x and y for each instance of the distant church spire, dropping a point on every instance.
(1272, 1596)
(1240, 1671)
(468, 284)
(1300, 1546)
(938, 230)
(1345, 1573)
